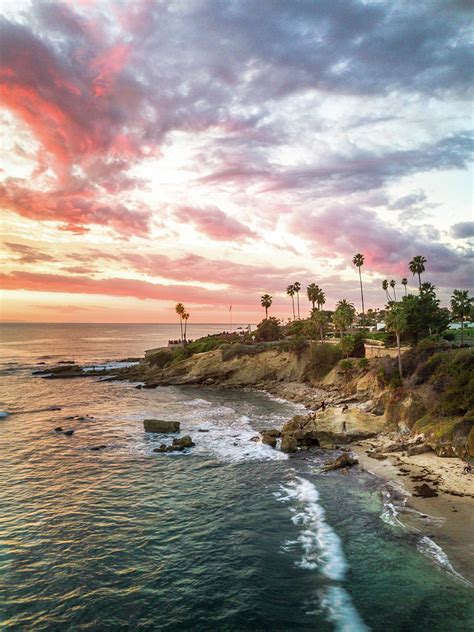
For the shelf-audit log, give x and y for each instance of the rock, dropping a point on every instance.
(288, 443)
(394, 447)
(203, 430)
(59, 429)
(272, 432)
(68, 433)
(377, 455)
(425, 491)
(53, 408)
(69, 418)
(345, 460)
(418, 449)
(140, 386)
(158, 425)
(268, 439)
(255, 438)
(96, 448)
(178, 445)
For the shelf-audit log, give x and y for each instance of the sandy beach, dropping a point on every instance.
(452, 509)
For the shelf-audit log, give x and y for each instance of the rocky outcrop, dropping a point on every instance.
(178, 445)
(269, 439)
(345, 460)
(288, 444)
(160, 426)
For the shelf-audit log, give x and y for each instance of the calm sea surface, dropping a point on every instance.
(232, 536)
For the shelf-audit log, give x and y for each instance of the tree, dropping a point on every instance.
(268, 330)
(428, 288)
(344, 315)
(290, 290)
(297, 287)
(185, 318)
(180, 311)
(385, 287)
(396, 322)
(321, 299)
(424, 316)
(358, 260)
(312, 292)
(347, 345)
(392, 285)
(417, 266)
(461, 306)
(320, 319)
(266, 301)
(405, 283)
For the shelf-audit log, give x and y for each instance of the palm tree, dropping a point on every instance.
(396, 322)
(428, 289)
(185, 318)
(461, 307)
(417, 266)
(343, 317)
(358, 260)
(313, 292)
(321, 299)
(297, 287)
(392, 285)
(405, 283)
(266, 301)
(385, 287)
(320, 319)
(180, 311)
(290, 290)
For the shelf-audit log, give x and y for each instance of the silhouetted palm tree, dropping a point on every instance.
(320, 320)
(405, 283)
(313, 292)
(417, 266)
(185, 318)
(321, 299)
(266, 301)
(290, 290)
(392, 285)
(385, 287)
(297, 286)
(358, 260)
(180, 311)
(343, 317)
(428, 289)
(396, 322)
(461, 307)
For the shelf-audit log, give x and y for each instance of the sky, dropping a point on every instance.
(210, 151)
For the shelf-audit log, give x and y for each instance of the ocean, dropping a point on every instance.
(231, 535)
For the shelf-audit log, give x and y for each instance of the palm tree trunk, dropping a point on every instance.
(419, 280)
(462, 330)
(298, 302)
(266, 312)
(399, 357)
(405, 290)
(185, 327)
(293, 302)
(395, 295)
(181, 326)
(361, 292)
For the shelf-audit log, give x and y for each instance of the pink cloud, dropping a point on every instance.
(214, 223)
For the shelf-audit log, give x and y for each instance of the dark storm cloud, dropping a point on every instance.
(463, 230)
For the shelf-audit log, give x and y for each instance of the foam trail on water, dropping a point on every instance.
(322, 551)
(429, 548)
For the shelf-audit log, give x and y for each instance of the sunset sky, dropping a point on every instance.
(211, 151)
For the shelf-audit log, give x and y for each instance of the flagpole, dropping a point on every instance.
(230, 317)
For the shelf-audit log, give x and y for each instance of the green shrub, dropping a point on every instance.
(449, 336)
(297, 344)
(364, 364)
(347, 345)
(324, 357)
(160, 359)
(268, 330)
(346, 366)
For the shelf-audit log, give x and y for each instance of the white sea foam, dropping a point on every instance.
(432, 550)
(322, 548)
(339, 609)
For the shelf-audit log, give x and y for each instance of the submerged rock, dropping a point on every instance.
(96, 448)
(59, 429)
(178, 445)
(158, 425)
(424, 491)
(68, 433)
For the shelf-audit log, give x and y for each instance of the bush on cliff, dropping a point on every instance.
(324, 357)
(160, 359)
(269, 330)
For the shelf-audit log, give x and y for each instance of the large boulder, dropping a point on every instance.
(158, 425)
(345, 460)
(178, 445)
(288, 443)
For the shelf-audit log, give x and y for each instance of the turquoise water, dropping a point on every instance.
(230, 536)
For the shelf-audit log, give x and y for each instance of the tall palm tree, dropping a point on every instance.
(297, 286)
(428, 288)
(392, 285)
(461, 307)
(385, 287)
(344, 315)
(266, 301)
(290, 290)
(405, 283)
(320, 319)
(312, 292)
(358, 260)
(185, 318)
(179, 309)
(417, 266)
(321, 299)
(396, 322)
